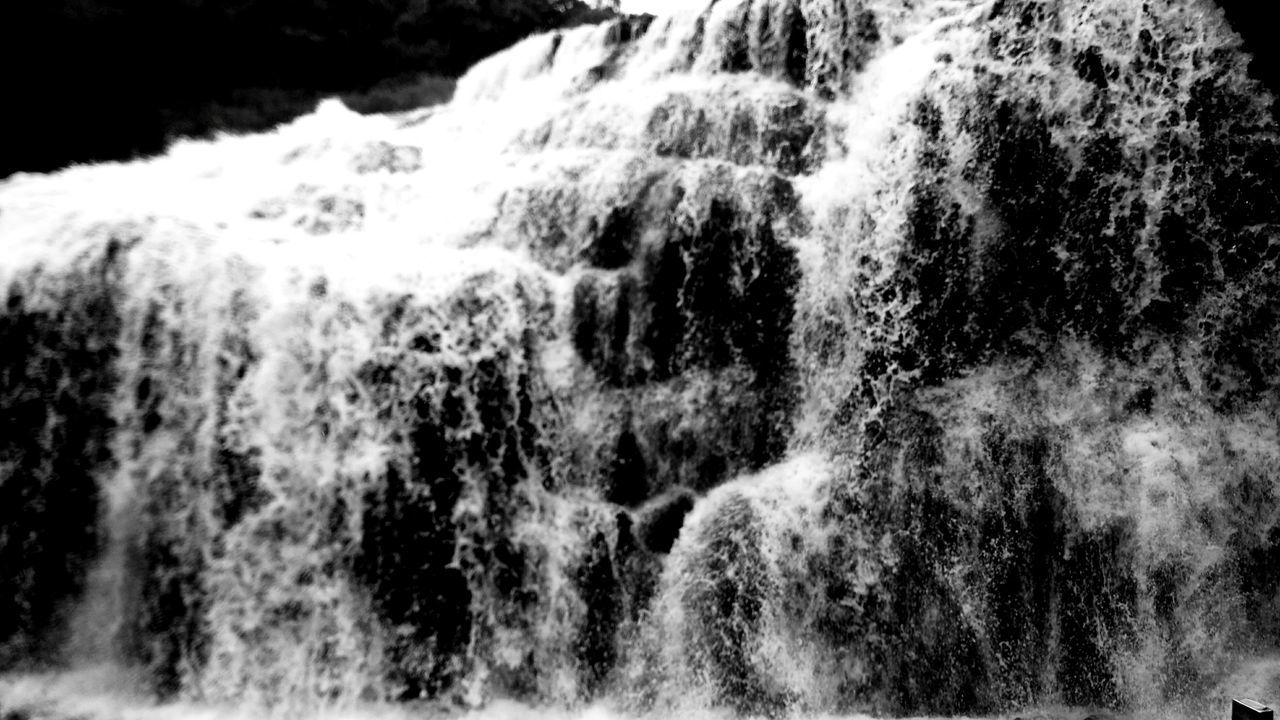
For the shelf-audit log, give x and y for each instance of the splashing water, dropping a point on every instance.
(767, 358)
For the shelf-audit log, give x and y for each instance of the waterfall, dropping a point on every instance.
(775, 357)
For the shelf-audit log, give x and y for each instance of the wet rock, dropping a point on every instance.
(696, 430)
(596, 646)
(57, 381)
(819, 45)
(627, 480)
(427, 561)
(782, 132)
(676, 331)
(1099, 595)
(729, 606)
(659, 522)
(638, 569)
(1050, 251)
(1023, 303)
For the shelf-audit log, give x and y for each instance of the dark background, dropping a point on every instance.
(91, 80)
(1255, 20)
(87, 80)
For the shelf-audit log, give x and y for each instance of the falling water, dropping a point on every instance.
(808, 357)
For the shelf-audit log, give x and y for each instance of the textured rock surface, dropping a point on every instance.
(779, 356)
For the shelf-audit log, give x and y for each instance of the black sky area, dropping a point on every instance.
(88, 80)
(1255, 21)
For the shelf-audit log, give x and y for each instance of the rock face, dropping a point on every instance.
(782, 355)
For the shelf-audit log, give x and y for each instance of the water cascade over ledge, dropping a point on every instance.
(776, 357)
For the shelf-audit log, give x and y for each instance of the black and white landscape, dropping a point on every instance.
(785, 358)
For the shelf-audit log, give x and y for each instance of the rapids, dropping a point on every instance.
(771, 358)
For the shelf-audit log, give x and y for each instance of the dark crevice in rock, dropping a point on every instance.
(595, 647)
(1089, 66)
(797, 45)
(627, 482)
(615, 239)
(663, 277)
(660, 521)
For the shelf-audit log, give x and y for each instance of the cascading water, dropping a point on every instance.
(780, 356)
